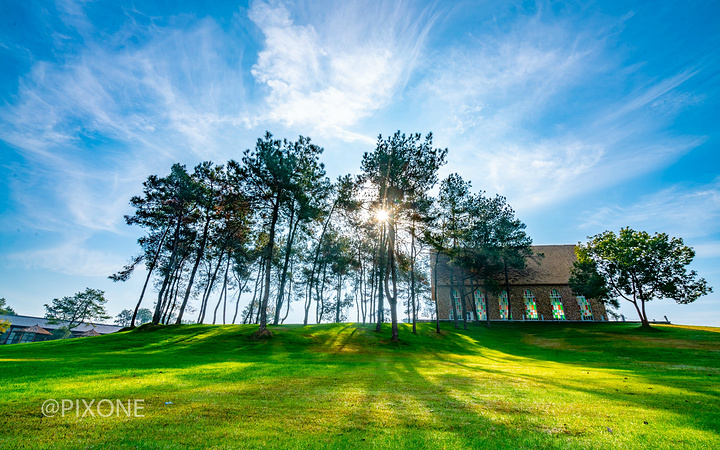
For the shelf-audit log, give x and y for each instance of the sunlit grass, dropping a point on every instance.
(335, 386)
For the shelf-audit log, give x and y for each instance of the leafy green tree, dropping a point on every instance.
(343, 260)
(493, 243)
(6, 310)
(207, 198)
(84, 307)
(452, 216)
(277, 173)
(479, 235)
(509, 240)
(637, 267)
(144, 315)
(401, 169)
(4, 325)
(343, 192)
(167, 209)
(124, 318)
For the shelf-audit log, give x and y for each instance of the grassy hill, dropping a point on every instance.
(522, 385)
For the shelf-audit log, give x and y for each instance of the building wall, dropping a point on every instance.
(570, 304)
(555, 271)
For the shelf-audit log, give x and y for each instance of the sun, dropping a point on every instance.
(381, 215)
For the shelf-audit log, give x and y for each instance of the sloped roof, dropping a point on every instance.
(553, 268)
(34, 329)
(89, 333)
(28, 321)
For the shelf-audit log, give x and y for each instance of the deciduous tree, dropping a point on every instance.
(84, 307)
(637, 267)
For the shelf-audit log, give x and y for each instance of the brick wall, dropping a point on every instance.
(442, 273)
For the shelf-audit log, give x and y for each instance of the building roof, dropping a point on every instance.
(553, 268)
(89, 333)
(28, 321)
(35, 329)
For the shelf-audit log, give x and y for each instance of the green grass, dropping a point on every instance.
(523, 385)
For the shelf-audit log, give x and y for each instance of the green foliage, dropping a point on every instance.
(400, 171)
(4, 326)
(585, 279)
(402, 167)
(124, 318)
(478, 234)
(637, 267)
(144, 315)
(279, 176)
(61, 333)
(84, 307)
(6, 310)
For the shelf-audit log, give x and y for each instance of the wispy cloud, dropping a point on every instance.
(72, 257)
(539, 108)
(93, 127)
(350, 62)
(691, 212)
(546, 111)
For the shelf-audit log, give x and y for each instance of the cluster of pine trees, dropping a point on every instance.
(272, 229)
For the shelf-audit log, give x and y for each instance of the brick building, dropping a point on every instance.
(541, 291)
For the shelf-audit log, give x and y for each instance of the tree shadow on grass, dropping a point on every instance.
(218, 379)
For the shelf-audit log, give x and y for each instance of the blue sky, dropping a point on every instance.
(587, 116)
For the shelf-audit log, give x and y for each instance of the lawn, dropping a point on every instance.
(516, 385)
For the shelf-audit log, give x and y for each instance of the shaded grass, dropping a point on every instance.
(516, 385)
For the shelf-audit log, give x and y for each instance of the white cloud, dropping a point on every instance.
(351, 62)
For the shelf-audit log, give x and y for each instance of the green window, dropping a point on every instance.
(530, 305)
(557, 306)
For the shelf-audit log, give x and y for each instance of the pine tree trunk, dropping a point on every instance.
(289, 296)
(452, 297)
(150, 270)
(392, 270)
(263, 331)
(286, 264)
(170, 268)
(463, 303)
(473, 303)
(201, 252)
(251, 309)
(435, 293)
(314, 266)
(381, 278)
(208, 288)
(338, 300)
(487, 308)
(222, 290)
(240, 291)
(412, 279)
